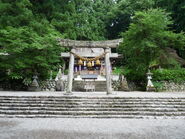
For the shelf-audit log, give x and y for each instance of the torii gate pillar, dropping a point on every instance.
(70, 74)
(108, 71)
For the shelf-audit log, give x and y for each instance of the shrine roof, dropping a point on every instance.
(90, 44)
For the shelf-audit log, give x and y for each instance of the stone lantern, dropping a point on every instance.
(150, 86)
(34, 85)
(58, 80)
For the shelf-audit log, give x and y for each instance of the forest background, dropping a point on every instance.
(152, 30)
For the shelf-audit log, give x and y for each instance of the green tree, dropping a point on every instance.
(146, 40)
(77, 19)
(177, 10)
(30, 42)
(120, 15)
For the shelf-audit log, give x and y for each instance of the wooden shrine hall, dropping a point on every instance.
(89, 61)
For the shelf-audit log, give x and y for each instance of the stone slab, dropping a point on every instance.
(97, 94)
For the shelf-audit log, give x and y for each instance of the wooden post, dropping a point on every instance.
(70, 73)
(108, 71)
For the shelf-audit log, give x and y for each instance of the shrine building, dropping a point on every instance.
(90, 66)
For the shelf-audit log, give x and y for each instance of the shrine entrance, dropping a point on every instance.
(89, 61)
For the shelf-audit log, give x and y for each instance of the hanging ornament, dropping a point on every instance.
(80, 67)
(84, 63)
(92, 63)
(80, 62)
(98, 62)
(89, 64)
(76, 69)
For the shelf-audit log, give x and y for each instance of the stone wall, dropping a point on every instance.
(6, 86)
(50, 85)
(164, 86)
(118, 84)
(170, 86)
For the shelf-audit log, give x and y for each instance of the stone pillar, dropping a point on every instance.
(70, 73)
(108, 71)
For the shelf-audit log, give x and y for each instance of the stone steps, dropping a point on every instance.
(91, 116)
(43, 112)
(62, 97)
(93, 102)
(31, 99)
(91, 107)
(87, 99)
(8, 99)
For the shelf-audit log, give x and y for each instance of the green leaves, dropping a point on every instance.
(174, 75)
(29, 28)
(15, 13)
(147, 39)
(121, 14)
(80, 19)
(177, 10)
(30, 42)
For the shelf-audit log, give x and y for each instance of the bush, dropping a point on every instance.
(118, 70)
(174, 75)
(158, 86)
(146, 41)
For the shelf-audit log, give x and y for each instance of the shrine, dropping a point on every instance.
(89, 62)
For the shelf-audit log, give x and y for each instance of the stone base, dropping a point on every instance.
(150, 89)
(33, 88)
(124, 86)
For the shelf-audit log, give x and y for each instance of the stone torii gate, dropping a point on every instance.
(106, 45)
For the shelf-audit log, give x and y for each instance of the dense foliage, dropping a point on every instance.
(29, 29)
(29, 41)
(174, 75)
(146, 40)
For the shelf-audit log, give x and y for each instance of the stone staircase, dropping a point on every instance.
(91, 107)
(99, 85)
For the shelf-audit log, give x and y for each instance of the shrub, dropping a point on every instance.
(175, 75)
(158, 86)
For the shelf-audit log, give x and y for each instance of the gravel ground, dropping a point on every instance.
(69, 128)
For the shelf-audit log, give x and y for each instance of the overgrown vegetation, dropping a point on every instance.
(29, 42)
(146, 41)
(174, 75)
(152, 31)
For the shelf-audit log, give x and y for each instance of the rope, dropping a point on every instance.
(89, 59)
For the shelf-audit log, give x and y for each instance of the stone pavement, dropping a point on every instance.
(96, 94)
(64, 128)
